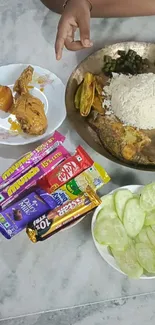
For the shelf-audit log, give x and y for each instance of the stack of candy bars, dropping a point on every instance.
(48, 189)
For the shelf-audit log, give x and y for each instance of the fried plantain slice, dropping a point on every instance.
(99, 84)
(78, 96)
(87, 94)
(97, 104)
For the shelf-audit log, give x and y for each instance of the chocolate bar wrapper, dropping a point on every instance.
(15, 218)
(11, 192)
(30, 159)
(67, 170)
(45, 226)
(32, 234)
(95, 177)
(46, 197)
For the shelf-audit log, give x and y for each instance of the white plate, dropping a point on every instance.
(103, 250)
(48, 88)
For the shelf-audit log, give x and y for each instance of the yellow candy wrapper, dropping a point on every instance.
(95, 177)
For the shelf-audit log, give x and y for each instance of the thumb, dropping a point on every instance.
(84, 27)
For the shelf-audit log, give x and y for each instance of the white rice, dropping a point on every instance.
(132, 99)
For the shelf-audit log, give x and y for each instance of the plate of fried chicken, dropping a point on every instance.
(32, 104)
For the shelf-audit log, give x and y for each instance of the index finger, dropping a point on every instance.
(60, 39)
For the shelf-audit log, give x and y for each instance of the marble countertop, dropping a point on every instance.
(64, 280)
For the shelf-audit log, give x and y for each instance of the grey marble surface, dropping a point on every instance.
(66, 271)
(127, 311)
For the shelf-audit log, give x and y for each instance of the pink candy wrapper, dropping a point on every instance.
(29, 179)
(30, 159)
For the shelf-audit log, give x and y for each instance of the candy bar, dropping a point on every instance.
(16, 217)
(30, 159)
(45, 226)
(69, 169)
(32, 233)
(46, 197)
(11, 192)
(95, 177)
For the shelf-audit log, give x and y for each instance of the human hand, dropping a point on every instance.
(76, 15)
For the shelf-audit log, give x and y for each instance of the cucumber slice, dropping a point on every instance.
(151, 235)
(127, 261)
(121, 197)
(106, 213)
(108, 210)
(146, 257)
(111, 232)
(143, 237)
(133, 218)
(150, 218)
(108, 201)
(110, 251)
(153, 228)
(147, 198)
(136, 196)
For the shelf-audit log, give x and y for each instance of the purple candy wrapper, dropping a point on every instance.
(15, 218)
(47, 197)
(21, 166)
(29, 179)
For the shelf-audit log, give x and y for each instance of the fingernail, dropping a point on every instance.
(86, 42)
(58, 57)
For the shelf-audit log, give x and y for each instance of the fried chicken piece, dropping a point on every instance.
(30, 114)
(21, 84)
(6, 99)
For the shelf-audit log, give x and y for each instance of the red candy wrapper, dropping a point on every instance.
(67, 170)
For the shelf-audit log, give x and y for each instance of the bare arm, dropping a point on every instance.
(123, 8)
(111, 8)
(77, 15)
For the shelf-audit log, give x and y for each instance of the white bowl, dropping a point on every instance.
(103, 250)
(48, 88)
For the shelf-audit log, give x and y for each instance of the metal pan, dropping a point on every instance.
(94, 64)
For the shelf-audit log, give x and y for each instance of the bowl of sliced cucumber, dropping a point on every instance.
(123, 230)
